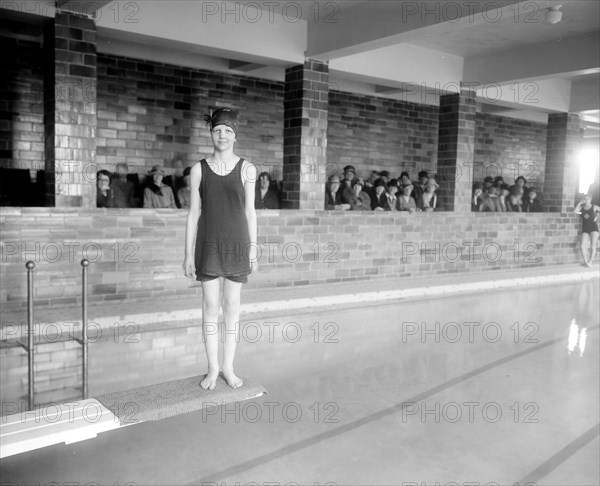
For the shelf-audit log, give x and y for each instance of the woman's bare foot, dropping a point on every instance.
(210, 381)
(232, 380)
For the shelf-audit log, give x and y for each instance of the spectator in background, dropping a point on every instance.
(349, 174)
(429, 197)
(490, 202)
(476, 197)
(487, 183)
(364, 200)
(380, 198)
(498, 181)
(420, 187)
(183, 194)
(266, 196)
(385, 175)
(514, 200)
(391, 202)
(404, 178)
(531, 202)
(504, 191)
(157, 194)
(522, 183)
(406, 201)
(333, 198)
(104, 195)
(369, 187)
(123, 189)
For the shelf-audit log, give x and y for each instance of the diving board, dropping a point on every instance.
(76, 421)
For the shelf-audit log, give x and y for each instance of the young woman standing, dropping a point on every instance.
(220, 242)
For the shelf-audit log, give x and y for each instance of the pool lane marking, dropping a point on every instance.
(342, 429)
(561, 456)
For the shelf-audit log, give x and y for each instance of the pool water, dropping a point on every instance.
(498, 387)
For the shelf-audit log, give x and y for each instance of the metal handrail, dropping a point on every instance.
(30, 332)
(30, 345)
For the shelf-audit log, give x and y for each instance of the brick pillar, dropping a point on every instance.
(70, 111)
(562, 168)
(456, 149)
(305, 135)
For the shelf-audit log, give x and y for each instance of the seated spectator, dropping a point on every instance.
(502, 197)
(429, 197)
(522, 183)
(490, 202)
(532, 203)
(157, 194)
(364, 200)
(487, 182)
(498, 181)
(416, 191)
(266, 193)
(184, 193)
(104, 195)
(406, 201)
(370, 182)
(476, 197)
(380, 198)
(123, 189)
(391, 201)
(404, 178)
(385, 175)
(369, 187)
(514, 200)
(349, 174)
(333, 198)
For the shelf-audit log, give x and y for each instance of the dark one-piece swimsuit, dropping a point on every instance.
(222, 239)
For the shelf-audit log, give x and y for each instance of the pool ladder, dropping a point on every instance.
(29, 345)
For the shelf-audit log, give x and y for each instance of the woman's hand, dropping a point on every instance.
(253, 258)
(189, 267)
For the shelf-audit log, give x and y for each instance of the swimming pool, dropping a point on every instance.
(503, 389)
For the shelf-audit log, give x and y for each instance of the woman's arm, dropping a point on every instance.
(249, 179)
(148, 198)
(191, 225)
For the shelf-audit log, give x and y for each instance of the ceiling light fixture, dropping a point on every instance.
(554, 15)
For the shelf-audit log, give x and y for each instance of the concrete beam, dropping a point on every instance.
(86, 7)
(373, 25)
(579, 54)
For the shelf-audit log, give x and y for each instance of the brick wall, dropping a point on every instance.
(136, 254)
(151, 113)
(21, 105)
(508, 147)
(374, 133)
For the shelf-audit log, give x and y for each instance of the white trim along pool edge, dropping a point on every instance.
(287, 305)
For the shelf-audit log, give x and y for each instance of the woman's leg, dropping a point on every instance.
(585, 241)
(231, 316)
(210, 330)
(594, 238)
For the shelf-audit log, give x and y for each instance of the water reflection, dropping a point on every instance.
(577, 338)
(585, 315)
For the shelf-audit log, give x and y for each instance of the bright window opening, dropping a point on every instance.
(588, 167)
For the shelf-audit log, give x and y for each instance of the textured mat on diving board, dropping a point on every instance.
(156, 402)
